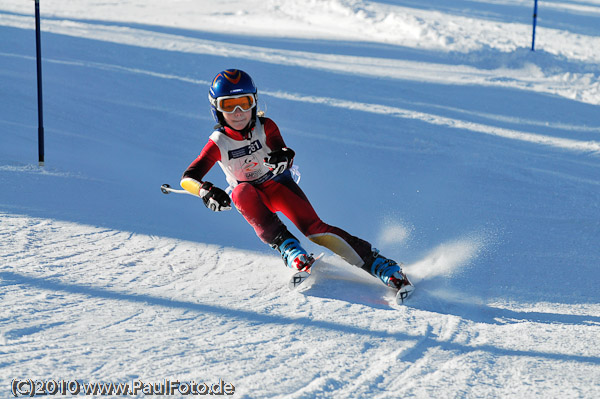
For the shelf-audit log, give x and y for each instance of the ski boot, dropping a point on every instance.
(390, 273)
(294, 256)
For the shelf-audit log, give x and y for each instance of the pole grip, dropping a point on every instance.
(166, 189)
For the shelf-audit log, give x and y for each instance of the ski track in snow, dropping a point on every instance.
(77, 300)
(592, 147)
(583, 86)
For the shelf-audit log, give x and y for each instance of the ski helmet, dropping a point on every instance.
(230, 82)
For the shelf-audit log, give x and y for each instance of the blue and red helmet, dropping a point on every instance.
(230, 82)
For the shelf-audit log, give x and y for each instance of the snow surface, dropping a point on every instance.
(429, 129)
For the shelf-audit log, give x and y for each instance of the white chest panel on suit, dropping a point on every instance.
(243, 161)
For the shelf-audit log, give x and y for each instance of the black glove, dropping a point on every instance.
(214, 198)
(280, 160)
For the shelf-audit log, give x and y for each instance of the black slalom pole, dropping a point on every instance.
(38, 51)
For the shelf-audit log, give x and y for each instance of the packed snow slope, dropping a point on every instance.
(429, 129)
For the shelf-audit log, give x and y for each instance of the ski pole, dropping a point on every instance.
(166, 189)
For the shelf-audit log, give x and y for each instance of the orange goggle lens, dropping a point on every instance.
(229, 104)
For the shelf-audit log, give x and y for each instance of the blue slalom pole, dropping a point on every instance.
(38, 53)
(535, 8)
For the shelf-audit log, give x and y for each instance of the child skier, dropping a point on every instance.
(256, 162)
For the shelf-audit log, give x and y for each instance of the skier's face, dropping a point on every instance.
(238, 119)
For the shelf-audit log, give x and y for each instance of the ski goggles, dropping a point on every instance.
(245, 102)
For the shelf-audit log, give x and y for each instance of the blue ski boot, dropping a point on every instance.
(387, 270)
(294, 256)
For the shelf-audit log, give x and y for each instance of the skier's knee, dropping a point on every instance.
(241, 191)
(315, 227)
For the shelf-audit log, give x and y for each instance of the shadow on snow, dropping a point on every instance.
(427, 339)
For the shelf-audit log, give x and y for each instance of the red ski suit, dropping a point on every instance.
(258, 194)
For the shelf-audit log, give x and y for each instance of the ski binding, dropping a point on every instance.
(300, 277)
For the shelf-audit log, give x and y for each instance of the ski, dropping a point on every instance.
(300, 277)
(404, 292)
